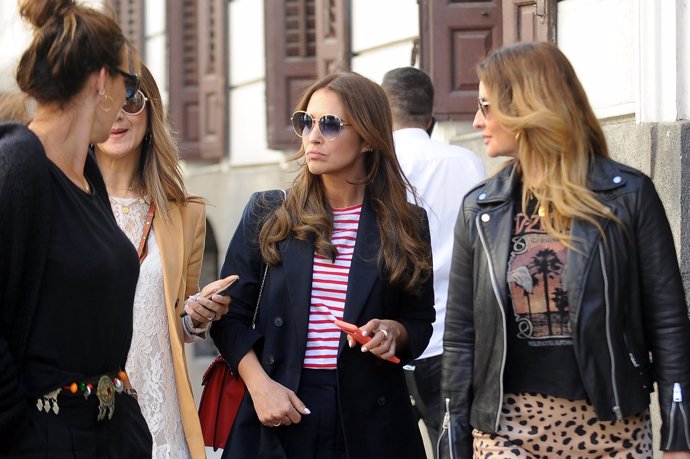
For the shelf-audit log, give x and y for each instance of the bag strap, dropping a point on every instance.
(261, 289)
(263, 280)
(142, 251)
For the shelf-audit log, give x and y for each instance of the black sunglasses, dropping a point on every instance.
(135, 105)
(329, 125)
(131, 83)
(484, 106)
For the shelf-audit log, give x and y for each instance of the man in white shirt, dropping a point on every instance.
(441, 174)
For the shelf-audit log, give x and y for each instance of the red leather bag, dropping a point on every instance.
(220, 399)
(222, 393)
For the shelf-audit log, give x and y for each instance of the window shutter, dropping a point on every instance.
(130, 16)
(332, 36)
(184, 75)
(529, 20)
(212, 89)
(290, 64)
(454, 36)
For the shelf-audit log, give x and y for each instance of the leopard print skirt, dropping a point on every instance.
(536, 426)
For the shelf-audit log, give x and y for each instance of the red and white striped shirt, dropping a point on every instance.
(328, 291)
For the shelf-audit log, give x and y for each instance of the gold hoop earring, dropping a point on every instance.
(109, 102)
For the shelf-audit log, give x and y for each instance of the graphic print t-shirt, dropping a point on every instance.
(540, 347)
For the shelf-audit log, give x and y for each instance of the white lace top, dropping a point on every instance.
(149, 363)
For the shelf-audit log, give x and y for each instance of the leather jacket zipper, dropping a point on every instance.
(629, 348)
(677, 402)
(445, 429)
(497, 293)
(617, 405)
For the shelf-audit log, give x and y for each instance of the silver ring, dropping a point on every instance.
(385, 333)
(278, 425)
(212, 317)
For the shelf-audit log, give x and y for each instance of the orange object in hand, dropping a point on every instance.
(356, 333)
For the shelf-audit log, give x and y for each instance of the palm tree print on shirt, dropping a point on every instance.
(535, 270)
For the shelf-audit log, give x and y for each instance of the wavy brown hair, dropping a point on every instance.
(70, 42)
(159, 176)
(537, 95)
(307, 214)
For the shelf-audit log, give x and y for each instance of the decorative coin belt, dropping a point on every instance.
(106, 388)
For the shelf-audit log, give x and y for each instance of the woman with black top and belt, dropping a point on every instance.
(67, 272)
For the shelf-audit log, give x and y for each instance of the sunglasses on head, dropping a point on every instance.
(131, 83)
(484, 106)
(329, 125)
(136, 104)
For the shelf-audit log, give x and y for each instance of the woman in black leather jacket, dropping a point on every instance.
(566, 301)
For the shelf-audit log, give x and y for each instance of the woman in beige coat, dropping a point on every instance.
(140, 166)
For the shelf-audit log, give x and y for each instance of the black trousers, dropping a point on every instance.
(75, 433)
(424, 386)
(320, 434)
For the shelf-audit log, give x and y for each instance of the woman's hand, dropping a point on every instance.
(275, 404)
(386, 337)
(676, 455)
(206, 310)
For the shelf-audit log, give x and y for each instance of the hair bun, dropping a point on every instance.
(38, 13)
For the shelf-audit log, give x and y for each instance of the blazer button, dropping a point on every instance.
(485, 217)
(269, 360)
(278, 321)
(381, 401)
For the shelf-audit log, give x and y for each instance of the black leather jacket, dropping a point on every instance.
(628, 311)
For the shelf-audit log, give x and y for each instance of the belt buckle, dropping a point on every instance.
(106, 397)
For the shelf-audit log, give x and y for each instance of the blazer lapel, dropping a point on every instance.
(364, 270)
(171, 249)
(298, 260)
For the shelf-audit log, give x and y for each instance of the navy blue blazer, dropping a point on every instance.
(376, 413)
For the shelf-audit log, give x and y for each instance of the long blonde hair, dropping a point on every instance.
(537, 95)
(307, 214)
(159, 176)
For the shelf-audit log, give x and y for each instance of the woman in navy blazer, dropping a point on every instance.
(347, 210)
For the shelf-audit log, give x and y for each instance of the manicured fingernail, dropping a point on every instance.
(364, 349)
(307, 410)
(365, 333)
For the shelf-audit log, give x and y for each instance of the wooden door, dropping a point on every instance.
(332, 36)
(198, 77)
(529, 20)
(130, 16)
(290, 64)
(454, 36)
